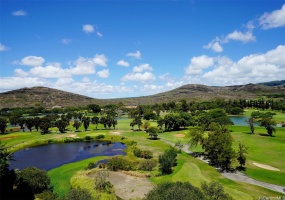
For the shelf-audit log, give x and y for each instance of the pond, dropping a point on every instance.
(54, 155)
(240, 120)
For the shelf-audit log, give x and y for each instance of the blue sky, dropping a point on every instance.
(109, 49)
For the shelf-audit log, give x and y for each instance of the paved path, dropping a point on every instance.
(236, 176)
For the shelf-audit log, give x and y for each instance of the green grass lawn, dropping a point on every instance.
(262, 149)
(60, 177)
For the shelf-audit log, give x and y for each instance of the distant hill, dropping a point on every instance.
(49, 97)
(273, 83)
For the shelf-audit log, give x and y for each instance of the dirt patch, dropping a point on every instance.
(8, 138)
(180, 135)
(130, 187)
(266, 167)
(73, 136)
(115, 132)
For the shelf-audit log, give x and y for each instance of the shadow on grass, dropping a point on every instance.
(266, 135)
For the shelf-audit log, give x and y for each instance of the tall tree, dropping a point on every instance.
(86, 122)
(30, 123)
(250, 122)
(3, 124)
(219, 148)
(76, 124)
(95, 108)
(242, 150)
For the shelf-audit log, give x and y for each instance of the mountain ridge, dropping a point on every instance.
(49, 97)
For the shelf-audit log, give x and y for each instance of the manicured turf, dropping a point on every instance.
(262, 149)
(61, 176)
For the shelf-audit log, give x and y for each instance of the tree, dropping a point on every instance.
(76, 124)
(33, 179)
(86, 122)
(37, 122)
(268, 124)
(242, 149)
(101, 182)
(22, 123)
(167, 160)
(7, 177)
(61, 125)
(30, 123)
(177, 190)
(160, 123)
(214, 191)
(179, 145)
(152, 132)
(95, 108)
(250, 122)
(95, 120)
(45, 124)
(3, 124)
(196, 136)
(218, 146)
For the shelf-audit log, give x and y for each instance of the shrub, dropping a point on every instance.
(88, 138)
(147, 165)
(101, 182)
(167, 160)
(90, 165)
(119, 163)
(78, 194)
(137, 152)
(146, 154)
(46, 195)
(33, 179)
(98, 137)
(214, 190)
(177, 190)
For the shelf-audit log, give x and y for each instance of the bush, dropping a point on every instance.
(101, 182)
(78, 194)
(119, 163)
(98, 137)
(146, 154)
(147, 165)
(167, 160)
(137, 152)
(214, 190)
(33, 179)
(88, 138)
(90, 165)
(177, 190)
(46, 195)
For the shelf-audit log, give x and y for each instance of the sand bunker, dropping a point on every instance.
(115, 133)
(179, 135)
(266, 167)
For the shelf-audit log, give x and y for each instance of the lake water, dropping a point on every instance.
(240, 120)
(54, 155)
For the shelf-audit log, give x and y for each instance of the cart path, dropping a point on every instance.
(235, 176)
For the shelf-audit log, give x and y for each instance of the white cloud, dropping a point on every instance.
(83, 66)
(66, 41)
(274, 19)
(103, 73)
(141, 68)
(88, 28)
(3, 47)
(33, 61)
(239, 36)
(99, 34)
(11, 83)
(199, 63)
(20, 73)
(49, 72)
(214, 45)
(123, 63)
(100, 59)
(142, 77)
(136, 55)
(19, 13)
(249, 69)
